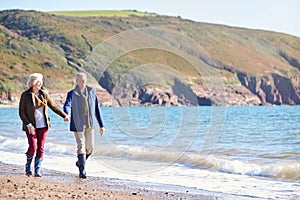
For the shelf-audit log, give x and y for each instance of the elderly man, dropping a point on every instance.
(82, 104)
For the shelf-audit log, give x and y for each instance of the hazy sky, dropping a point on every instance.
(275, 15)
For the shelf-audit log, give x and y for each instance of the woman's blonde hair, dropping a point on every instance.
(33, 78)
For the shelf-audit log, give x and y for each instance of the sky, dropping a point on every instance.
(274, 15)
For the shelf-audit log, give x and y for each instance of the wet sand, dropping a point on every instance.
(60, 185)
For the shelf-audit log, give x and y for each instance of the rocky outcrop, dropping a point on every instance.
(252, 90)
(154, 95)
(237, 95)
(186, 96)
(286, 93)
(157, 95)
(274, 89)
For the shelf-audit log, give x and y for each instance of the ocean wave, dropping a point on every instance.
(20, 145)
(281, 166)
(13, 145)
(286, 169)
(57, 148)
(289, 169)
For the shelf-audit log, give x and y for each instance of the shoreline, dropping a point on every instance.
(9, 106)
(61, 185)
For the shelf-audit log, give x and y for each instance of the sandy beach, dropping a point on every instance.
(59, 185)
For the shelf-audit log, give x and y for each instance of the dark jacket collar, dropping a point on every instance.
(42, 91)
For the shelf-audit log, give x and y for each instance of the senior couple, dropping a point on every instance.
(81, 108)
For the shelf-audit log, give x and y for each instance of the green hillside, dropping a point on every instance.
(256, 66)
(102, 13)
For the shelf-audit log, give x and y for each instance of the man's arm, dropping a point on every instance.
(68, 103)
(98, 114)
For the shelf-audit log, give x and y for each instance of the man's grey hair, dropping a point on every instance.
(81, 75)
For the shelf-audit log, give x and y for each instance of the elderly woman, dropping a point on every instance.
(33, 111)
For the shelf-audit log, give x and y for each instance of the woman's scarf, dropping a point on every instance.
(37, 102)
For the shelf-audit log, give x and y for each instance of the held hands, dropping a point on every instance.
(67, 118)
(102, 130)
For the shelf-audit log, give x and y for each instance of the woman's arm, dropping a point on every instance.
(22, 110)
(55, 107)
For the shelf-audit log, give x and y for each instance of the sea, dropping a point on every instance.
(249, 152)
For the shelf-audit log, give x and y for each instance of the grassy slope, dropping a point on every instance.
(60, 36)
(20, 57)
(251, 51)
(101, 13)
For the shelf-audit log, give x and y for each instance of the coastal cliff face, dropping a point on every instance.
(276, 89)
(253, 67)
(252, 90)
